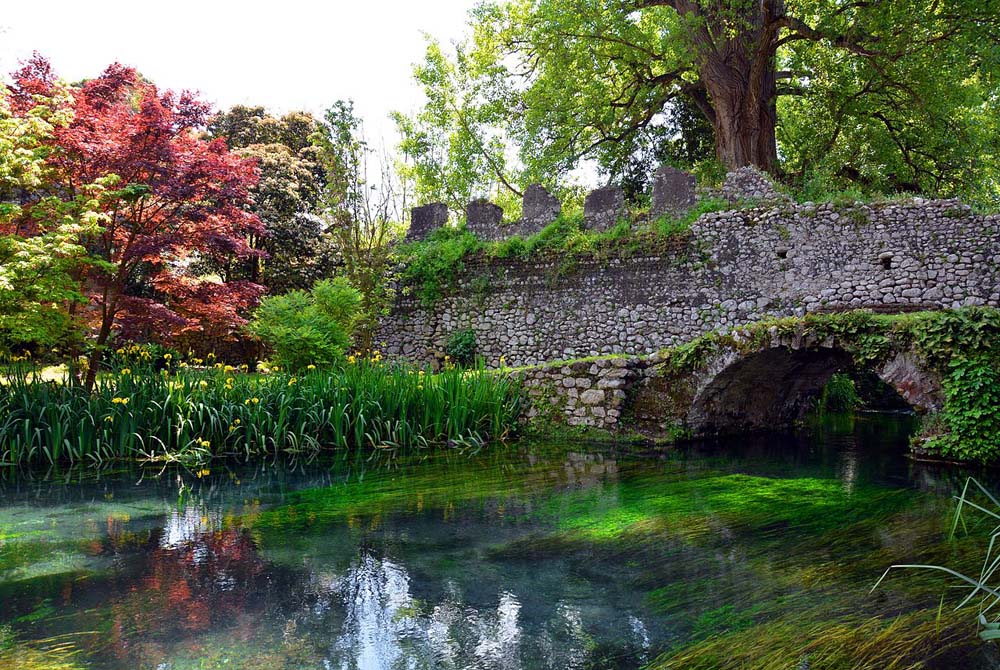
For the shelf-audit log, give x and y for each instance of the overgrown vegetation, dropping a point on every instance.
(434, 265)
(839, 394)
(178, 413)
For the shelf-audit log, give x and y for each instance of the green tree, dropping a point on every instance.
(894, 94)
(298, 250)
(451, 149)
(362, 209)
(41, 236)
(244, 126)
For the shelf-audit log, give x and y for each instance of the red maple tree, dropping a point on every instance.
(178, 199)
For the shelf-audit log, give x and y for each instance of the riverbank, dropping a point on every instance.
(165, 412)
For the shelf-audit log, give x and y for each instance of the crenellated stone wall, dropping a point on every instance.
(735, 267)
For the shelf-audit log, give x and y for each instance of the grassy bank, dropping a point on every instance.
(195, 415)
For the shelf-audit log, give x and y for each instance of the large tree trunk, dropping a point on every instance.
(736, 63)
(744, 122)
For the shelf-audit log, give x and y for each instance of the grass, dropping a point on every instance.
(194, 416)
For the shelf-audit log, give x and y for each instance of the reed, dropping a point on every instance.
(984, 588)
(195, 415)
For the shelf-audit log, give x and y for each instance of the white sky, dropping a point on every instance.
(291, 54)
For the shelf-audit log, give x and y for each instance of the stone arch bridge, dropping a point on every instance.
(749, 380)
(612, 309)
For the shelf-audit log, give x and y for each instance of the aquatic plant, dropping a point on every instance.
(193, 415)
(52, 654)
(905, 642)
(984, 589)
(840, 394)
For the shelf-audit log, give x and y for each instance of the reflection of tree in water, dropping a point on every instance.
(198, 577)
(431, 596)
(384, 627)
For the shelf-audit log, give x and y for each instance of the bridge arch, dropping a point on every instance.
(771, 386)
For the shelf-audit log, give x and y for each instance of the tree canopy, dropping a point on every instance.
(886, 94)
(169, 198)
(41, 255)
(296, 252)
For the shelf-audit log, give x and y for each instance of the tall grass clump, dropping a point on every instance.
(200, 414)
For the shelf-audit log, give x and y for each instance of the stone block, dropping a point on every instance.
(603, 208)
(539, 208)
(483, 219)
(426, 219)
(592, 397)
(673, 192)
(749, 183)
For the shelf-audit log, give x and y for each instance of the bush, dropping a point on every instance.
(839, 394)
(461, 346)
(313, 327)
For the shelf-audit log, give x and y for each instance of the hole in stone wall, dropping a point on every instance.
(886, 261)
(782, 253)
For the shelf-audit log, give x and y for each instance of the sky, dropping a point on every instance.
(285, 55)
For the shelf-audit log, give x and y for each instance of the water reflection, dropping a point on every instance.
(385, 626)
(511, 561)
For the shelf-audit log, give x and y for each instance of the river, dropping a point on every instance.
(747, 552)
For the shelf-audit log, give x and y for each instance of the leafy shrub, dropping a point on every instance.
(461, 346)
(820, 186)
(709, 172)
(839, 394)
(313, 327)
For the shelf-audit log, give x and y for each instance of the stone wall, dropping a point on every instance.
(736, 267)
(582, 393)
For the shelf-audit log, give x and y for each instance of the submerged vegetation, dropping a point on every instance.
(54, 654)
(681, 561)
(193, 415)
(982, 588)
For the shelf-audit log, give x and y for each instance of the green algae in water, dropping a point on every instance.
(759, 554)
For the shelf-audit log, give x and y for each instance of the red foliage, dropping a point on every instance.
(179, 198)
(34, 78)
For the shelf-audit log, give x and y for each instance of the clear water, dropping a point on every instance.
(533, 557)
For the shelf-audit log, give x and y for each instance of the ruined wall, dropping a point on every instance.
(737, 267)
